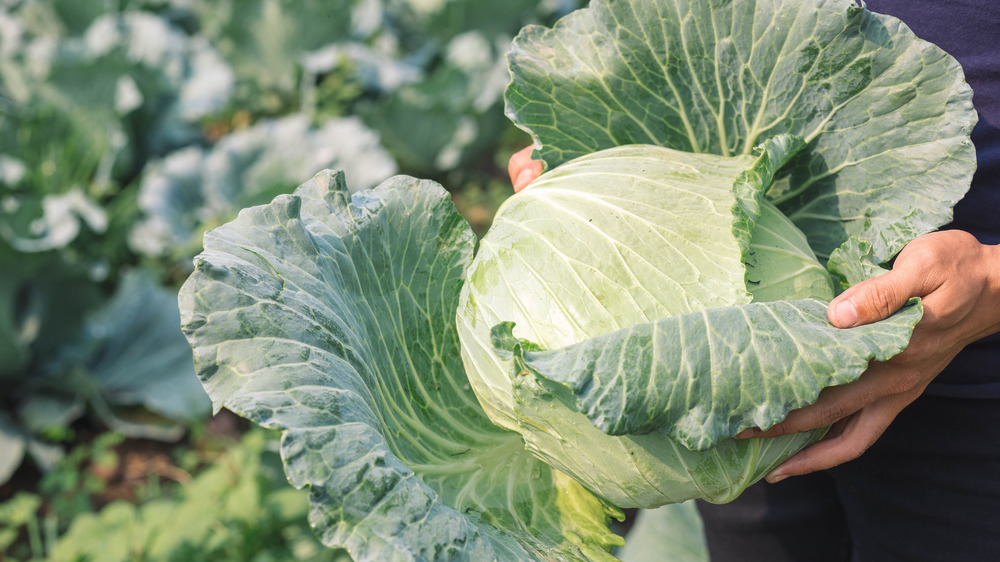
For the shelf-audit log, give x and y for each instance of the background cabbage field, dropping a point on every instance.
(127, 129)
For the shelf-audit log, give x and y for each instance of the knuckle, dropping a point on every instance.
(869, 395)
(831, 413)
(947, 313)
(929, 249)
(811, 468)
(897, 385)
(920, 253)
(882, 298)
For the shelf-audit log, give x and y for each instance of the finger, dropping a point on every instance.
(522, 169)
(875, 299)
(833, 404)
(846, 441)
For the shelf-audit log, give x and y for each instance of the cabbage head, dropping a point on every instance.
(620, 237)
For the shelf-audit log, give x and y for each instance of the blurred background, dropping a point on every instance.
(127, 129)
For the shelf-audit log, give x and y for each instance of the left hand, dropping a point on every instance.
(959, 281)
(522, 169)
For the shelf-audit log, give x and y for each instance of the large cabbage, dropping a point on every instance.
(716, 172)
(620, 237)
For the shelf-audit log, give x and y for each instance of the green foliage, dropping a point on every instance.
(33, 521)
(128, 128)
(17, 514)
(237, 508)
(866, 95)
(74, 481)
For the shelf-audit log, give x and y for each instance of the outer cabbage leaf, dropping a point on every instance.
(885, 115)
(706, 376)
(332, 317)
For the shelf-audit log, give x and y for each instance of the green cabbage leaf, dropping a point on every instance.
(886, 116)
(332, 317)
(705, 376)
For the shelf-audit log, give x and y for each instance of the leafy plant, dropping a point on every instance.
(89, 93)
(31, 522)
(626, 316)
(686, 311)
(194, 189)
(856, 178)
(125, 362)
(236, 507)
(20, 512)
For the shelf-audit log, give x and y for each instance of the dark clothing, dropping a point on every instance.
(968, 30)
(929, 489)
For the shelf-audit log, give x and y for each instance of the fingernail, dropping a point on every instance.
(846, 314)
(774, 478)
(523, 179)
(748, 432)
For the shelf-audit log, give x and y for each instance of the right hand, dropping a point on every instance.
(958, 279)
(522, 169)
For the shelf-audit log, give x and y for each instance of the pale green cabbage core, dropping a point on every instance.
(616, 238)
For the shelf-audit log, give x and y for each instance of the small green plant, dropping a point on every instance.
(79, 476)
(31, 522)
(20, 529)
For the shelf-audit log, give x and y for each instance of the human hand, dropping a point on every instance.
(959, 281)
(522, 169)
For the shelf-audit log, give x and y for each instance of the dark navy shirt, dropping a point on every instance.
(968, 30)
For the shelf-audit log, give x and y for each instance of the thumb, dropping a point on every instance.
(872, 300)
